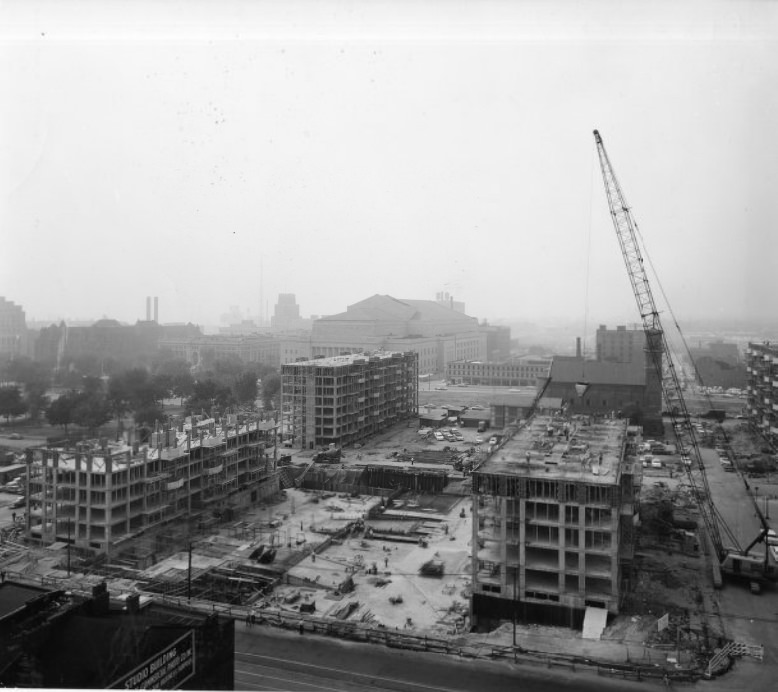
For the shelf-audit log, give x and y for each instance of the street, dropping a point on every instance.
(273, 659)
(747, 617)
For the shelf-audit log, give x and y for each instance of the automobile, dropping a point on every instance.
(15, 436)
(656, 463)
(21, 502)
(477, 407)
(686, 460)
(492, 440)
(459, 437)
(479, 440)
(439, 436)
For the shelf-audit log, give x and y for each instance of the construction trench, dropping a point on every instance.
(378, 548)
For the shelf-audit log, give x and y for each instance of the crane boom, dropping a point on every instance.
(656, 346)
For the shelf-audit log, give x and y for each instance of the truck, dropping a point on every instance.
(328, 455)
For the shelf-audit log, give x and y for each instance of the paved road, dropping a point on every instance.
(749, 618)
(272, 659)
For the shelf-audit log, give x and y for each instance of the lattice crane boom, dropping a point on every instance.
(656, 346)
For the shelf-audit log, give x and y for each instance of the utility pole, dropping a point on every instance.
(69, 546)
(189, 576)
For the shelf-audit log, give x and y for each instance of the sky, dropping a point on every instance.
(219, 153)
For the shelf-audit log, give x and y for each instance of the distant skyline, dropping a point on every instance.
(358, 148)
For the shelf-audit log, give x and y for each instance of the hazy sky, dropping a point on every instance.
(352, 148)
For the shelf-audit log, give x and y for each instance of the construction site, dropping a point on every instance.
(383, 540)
(559, 537)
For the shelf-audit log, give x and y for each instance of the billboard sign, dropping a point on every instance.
(166, 670)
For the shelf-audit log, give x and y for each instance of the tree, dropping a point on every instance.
(208, 393)
(271, 386)
(11, 402)
(245, 388)
(91, 411)
(35, 378)
(60, 411)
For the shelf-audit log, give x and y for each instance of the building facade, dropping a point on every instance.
(437, 333)
(553, 513)
(14, 340)
(344, 399)
(520, 372)
(200, 350)
(620, 345)
(96, 497)
(762, 369)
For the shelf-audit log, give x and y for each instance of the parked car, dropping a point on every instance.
(656, 463)
(492, 440)
(439, 436)
(15, 436)
(479, 440)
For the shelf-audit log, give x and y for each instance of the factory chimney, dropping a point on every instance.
(578, 347)
(148, 308)
(156, 309)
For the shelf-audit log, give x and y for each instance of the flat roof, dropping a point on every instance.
(592, 451)
(346, 359)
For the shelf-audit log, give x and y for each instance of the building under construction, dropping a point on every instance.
(762, 362)
(553, 515)
(99, 495)
(344, 399)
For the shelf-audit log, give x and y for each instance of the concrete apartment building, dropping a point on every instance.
(344, 399)
(762, 368)
(97, 497)
(437, 333)
(519, 372)
(553, 516)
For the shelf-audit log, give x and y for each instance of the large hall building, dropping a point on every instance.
(437, 332)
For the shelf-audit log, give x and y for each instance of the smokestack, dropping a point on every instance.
(578, 347)
(148, 308)
(156, 309)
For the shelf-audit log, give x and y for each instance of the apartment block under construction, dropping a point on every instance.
(344, 399)
(99, 495)
(553, 518)
(762, 364)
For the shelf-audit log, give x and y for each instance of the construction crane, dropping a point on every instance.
(734, 561)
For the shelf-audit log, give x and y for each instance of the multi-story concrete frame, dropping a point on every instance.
(97, 497)
(553, 513)
(762, 367)
(345, 399)
(520, 372)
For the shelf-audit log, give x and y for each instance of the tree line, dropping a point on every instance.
(91, 401)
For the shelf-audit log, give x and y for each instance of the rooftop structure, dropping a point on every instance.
(552, 518)
(343, 399)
